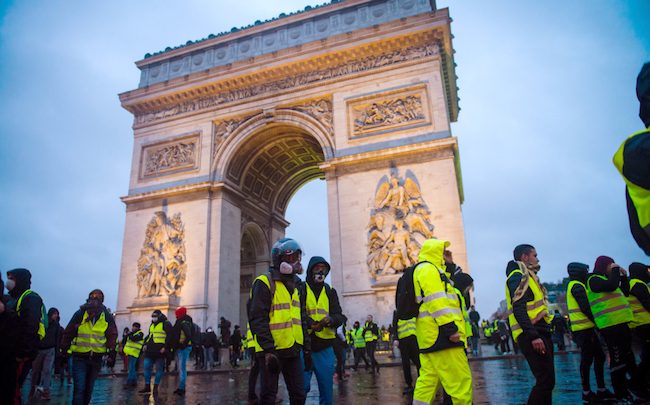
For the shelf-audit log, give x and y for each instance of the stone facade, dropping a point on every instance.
(226, 146)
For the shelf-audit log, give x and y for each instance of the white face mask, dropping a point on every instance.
(287, 268)
(319, 278)
(10, 284)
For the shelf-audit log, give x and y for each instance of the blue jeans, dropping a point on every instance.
(323, 366)
(148, 368)
(133, 374)
(182, 356)
(84, 374)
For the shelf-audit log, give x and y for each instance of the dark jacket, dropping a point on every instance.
(53, 336)
(519, 309)
(235, 340)
(335, 311)
(8, 327)
(182, 324)
(224, 330)
(580, 272)
(639, 271)
(29, 318)
(259, 314)
(71, 329)
(210, 340)
(152, 349)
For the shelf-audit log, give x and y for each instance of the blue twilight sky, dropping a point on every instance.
(547, 95)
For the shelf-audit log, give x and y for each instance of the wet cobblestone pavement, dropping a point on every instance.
(497, 380)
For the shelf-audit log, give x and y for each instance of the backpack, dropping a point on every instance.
(405, 303)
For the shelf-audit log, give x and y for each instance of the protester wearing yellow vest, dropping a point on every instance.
(584, 334)
(90, 335)
(439, 329)
(359, 342)
(132, 348)
(278, 323)
(324, 315)
(371, 335)
(640, 306)
(408, 349)
(607, 289)
(530, 321)
(632, 160)
(156, 346)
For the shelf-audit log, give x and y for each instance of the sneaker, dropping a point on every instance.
(589, 397)
(145, 390)
(605, 395)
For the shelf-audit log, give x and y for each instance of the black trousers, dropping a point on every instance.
(252, 375)
(590, 353)
(642, 335)
(360, 353)
(292, 370)
(543, 368)
(339, 351)
(621, 359)
(370, 349)
(410, 353)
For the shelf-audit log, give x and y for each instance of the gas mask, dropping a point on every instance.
(10, 284)
(291, 268)
(319, 277)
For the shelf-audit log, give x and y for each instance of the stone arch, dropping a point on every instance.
(272, 154)
(254, 260)
(258, 238)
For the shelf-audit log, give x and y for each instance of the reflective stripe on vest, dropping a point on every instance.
(536, 308)
(579, 321)
(42, 324)
(609, 308)
(157, 332)
(91, 337)
(358, 339)
(369, 336)
(132, 348)
(284, 319)
(405, 328)
(318, 310)
(640, 314)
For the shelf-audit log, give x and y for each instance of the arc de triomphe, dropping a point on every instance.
(360, 93)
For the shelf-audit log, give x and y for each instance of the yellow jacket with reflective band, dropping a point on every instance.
(609, 308)
(157, 333)
(132, 348)
(91, 337)
(640, 314)
(369, 335)
(284, 319)
(318, 310)
(439, 302)
(579, 321)
(487, 331)
(537, 310)
(42, 324)
(358, 339)
(249, 342)
(640, 196)
(468, 324)
(405, 328)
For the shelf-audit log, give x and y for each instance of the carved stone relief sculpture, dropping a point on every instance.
(321, 110)
(399, 222)
(170, 157)
(162, 264)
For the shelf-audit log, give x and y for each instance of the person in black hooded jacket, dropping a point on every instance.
(324, 315)
(639, 291)
(9, 333)
(29, 315)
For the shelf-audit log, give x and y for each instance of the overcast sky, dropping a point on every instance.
(547, 95)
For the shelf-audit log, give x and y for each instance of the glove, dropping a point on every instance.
(327, 321)
(272, 363)
(309, 365)
(110, 362)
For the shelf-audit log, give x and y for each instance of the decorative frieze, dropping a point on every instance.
(388, 111)
(170, 157)
(288, 82)
(321, 110)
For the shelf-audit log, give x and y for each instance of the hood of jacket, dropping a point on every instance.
(310, 268)
(23, 281)
(511, 266)
(578, 271)
(639, 271)
(432, 250)
(462, 281)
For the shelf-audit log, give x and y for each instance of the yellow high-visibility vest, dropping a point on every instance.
(609, 308)
(468, 324)
(405, 328)
(133, 348)
(641, 316)
(318, 310)
(537, 310)
(358, 339)
(91, 337)
(369, 336)
(42, 324)
(579, 321)
(157, 332)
